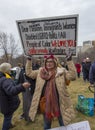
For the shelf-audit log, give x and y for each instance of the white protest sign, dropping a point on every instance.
(84, 125)
(56, 35)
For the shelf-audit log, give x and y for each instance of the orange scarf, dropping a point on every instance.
(52, 106)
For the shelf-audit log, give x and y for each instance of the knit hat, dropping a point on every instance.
(5, 68)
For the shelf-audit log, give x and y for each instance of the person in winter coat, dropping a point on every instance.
(92, 74)
(78, 68)
(9, 100)
(86, 68)
(88, 64)
(28, 94)
(51, 88)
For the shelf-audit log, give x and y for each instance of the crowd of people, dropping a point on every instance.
(43, 87)
(83, 69)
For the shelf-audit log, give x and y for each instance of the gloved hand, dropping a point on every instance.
(69, 57)
(28, 57)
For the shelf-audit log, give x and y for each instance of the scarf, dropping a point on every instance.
(52, 106)
(7, 76)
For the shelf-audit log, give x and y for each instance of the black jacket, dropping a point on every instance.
(9, 100)
(92, 74)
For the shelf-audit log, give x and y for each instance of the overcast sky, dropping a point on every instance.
(12, 10)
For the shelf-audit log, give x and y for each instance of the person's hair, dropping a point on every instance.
(51, 57)
(5, 67)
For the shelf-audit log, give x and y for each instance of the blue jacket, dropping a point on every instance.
(92, 73)
(9, 100)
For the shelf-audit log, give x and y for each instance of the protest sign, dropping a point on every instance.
(84, 125)
(56, 35)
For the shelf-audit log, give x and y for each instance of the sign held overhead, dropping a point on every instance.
(56, 35)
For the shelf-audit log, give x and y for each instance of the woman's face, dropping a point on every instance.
(50, 64)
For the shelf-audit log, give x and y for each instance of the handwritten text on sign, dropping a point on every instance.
(52, 35)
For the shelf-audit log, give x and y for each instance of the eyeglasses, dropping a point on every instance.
(51, 61)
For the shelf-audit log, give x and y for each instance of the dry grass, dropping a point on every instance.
(76, 87)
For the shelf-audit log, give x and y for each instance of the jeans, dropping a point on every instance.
(47, 123)
(7, 122)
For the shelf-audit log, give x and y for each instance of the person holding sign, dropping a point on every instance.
(51, 96)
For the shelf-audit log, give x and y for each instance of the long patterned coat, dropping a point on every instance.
(66, 106)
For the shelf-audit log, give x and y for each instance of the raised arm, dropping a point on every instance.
(28, 69)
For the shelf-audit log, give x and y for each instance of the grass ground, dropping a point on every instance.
(75, 88)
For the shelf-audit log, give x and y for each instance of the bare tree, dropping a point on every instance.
(4, 44)
(8, 46)
(90, 52)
